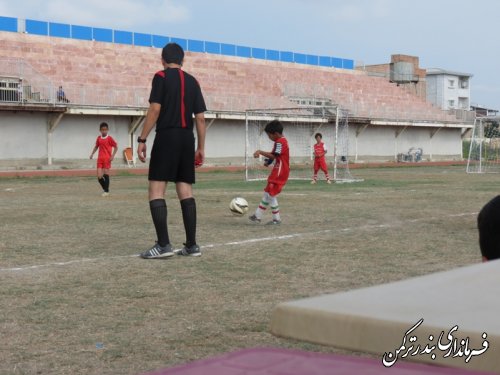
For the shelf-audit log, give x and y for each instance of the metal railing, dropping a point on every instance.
(134, 97)
(34, 88)
(463, 114)
(28, 93)
(241, 103)
(137, 97)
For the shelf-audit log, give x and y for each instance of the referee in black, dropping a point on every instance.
(175, 97)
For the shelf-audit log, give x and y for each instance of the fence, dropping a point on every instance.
(27, 93)
(80, 95)
(21, 83)
(21, 90)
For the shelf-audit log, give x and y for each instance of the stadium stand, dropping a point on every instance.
(107, 72)
(118, 74)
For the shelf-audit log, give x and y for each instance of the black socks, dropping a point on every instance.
(188, 207)
(158, 209)
(104, 182)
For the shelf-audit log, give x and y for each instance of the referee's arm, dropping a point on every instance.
(149, 123)
(201, 130)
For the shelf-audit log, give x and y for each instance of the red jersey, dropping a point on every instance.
(281, 170)
(320, 150)
(105, 145)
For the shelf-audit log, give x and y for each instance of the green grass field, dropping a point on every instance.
(77, 300)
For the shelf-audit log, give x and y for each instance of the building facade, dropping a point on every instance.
(404, 71)
(448, 89)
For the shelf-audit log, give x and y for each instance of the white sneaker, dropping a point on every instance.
(313, 182)
(105, 194)
(328, 181)
(274, 222)
(158, 252)
(254, 219)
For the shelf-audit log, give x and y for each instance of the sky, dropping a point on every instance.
(461, 36)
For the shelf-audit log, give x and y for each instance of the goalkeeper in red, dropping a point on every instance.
(320, 159)
(278, 177)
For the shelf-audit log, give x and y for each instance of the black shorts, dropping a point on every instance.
(172, 156)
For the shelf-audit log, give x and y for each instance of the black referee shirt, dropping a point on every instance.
(180, 97)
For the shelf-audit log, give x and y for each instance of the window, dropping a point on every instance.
(451, 103)
(451, 83)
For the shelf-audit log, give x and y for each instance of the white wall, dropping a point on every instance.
(446, 142)
(24, 136)
(439, 91)
(433, 93)
(75, 136)
(381, 142)
(375, 141)
(225, 139)
(450, 92)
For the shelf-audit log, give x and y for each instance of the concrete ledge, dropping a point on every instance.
(376, 319)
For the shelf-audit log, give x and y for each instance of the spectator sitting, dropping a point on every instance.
(488, 223)
(61, 96)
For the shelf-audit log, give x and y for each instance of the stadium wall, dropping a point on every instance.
(380, 143)
(25, 138)
(230, 83)
(25, 141)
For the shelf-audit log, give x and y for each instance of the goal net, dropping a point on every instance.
(484, 150)
(300, 125)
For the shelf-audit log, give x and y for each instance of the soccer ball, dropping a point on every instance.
(238, 206)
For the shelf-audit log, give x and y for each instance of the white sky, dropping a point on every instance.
(461, 36)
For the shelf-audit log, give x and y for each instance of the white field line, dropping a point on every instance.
(243, 242)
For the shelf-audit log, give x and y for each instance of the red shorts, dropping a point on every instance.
(273, 188)
(320, 163)
(104, 163)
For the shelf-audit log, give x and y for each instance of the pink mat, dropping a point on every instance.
(293, 362)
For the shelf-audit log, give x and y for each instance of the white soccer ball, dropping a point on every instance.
(238, 206)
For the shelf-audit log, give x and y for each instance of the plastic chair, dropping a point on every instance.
(129, 157)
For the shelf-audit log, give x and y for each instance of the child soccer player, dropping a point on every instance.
(320, 159)
(278, 177)
(107, 150)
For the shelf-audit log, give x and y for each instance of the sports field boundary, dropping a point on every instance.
(76, 172)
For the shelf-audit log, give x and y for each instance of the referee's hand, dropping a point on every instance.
(141, 152)
(199, 158)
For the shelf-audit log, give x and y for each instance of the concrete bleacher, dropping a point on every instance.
(79, 32)
(95, 73)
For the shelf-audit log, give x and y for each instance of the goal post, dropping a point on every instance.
(300, 125)
(484, 148)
